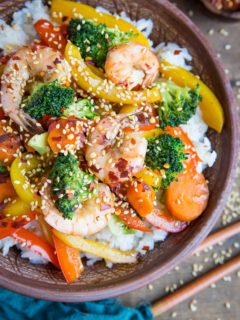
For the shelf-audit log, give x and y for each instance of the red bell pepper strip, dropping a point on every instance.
(54, 37)
(164, 221)
(36, 244)
(69, 260)
(9, 225)
(146, 127)
(131, 220)
(2, 114)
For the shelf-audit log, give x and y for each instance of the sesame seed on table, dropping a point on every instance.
(221, 300)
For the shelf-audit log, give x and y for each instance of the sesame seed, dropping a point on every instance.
(228, 47)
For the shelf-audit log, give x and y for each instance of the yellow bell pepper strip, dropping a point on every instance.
(150, 177)
(152, 133)
(96, 248)
(62, 10)
(16, 208)
(96, 70)
(20, 181)
(128, 108)
(104, 89)
(211, 108)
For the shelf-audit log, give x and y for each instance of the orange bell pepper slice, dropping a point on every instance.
(69, 260)
(10, 225)
(36, 244)
(132, 221)
(54, 37)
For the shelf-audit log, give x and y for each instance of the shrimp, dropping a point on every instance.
(91, 217)
(112, 154)
(131, 65)
(25, 64)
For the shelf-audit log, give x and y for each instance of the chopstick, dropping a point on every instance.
(218, 236)
(195, 286)
(204, 281)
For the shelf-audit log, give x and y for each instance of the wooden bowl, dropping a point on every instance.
(99, 282)
(234, 15)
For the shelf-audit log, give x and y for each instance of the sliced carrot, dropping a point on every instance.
(36, 244)
(163, 220)
(65, 134)
(9, 143)
(141, 197)
(6, 188)
(193, 158)
(69, 260)
(187, 198)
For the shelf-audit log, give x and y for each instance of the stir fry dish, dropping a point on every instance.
(102, 137)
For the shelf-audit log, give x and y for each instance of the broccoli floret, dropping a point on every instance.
(70, 185)
(48, 99)
(178, 104)
(94, 39)
(81, 109)
(3, 169)
(166, 153)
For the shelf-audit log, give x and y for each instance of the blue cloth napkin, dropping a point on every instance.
(18, 307)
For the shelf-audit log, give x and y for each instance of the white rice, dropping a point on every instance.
(196, 129)
(174, 54)
(143, 25)
(21, 32)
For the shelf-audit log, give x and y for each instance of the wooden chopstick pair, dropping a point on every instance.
(187, 291)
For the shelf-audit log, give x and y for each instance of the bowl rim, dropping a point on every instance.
(228, 15)
(136, 282)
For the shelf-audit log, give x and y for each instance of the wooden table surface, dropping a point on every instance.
(222, 301)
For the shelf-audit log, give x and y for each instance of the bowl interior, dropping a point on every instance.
(98, 282)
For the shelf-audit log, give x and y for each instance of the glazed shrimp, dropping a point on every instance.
(131, 65)
(113, 155)
(91, 217)
(25, 64)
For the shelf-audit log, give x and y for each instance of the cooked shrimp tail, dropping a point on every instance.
(26, 122)
(24, 65)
